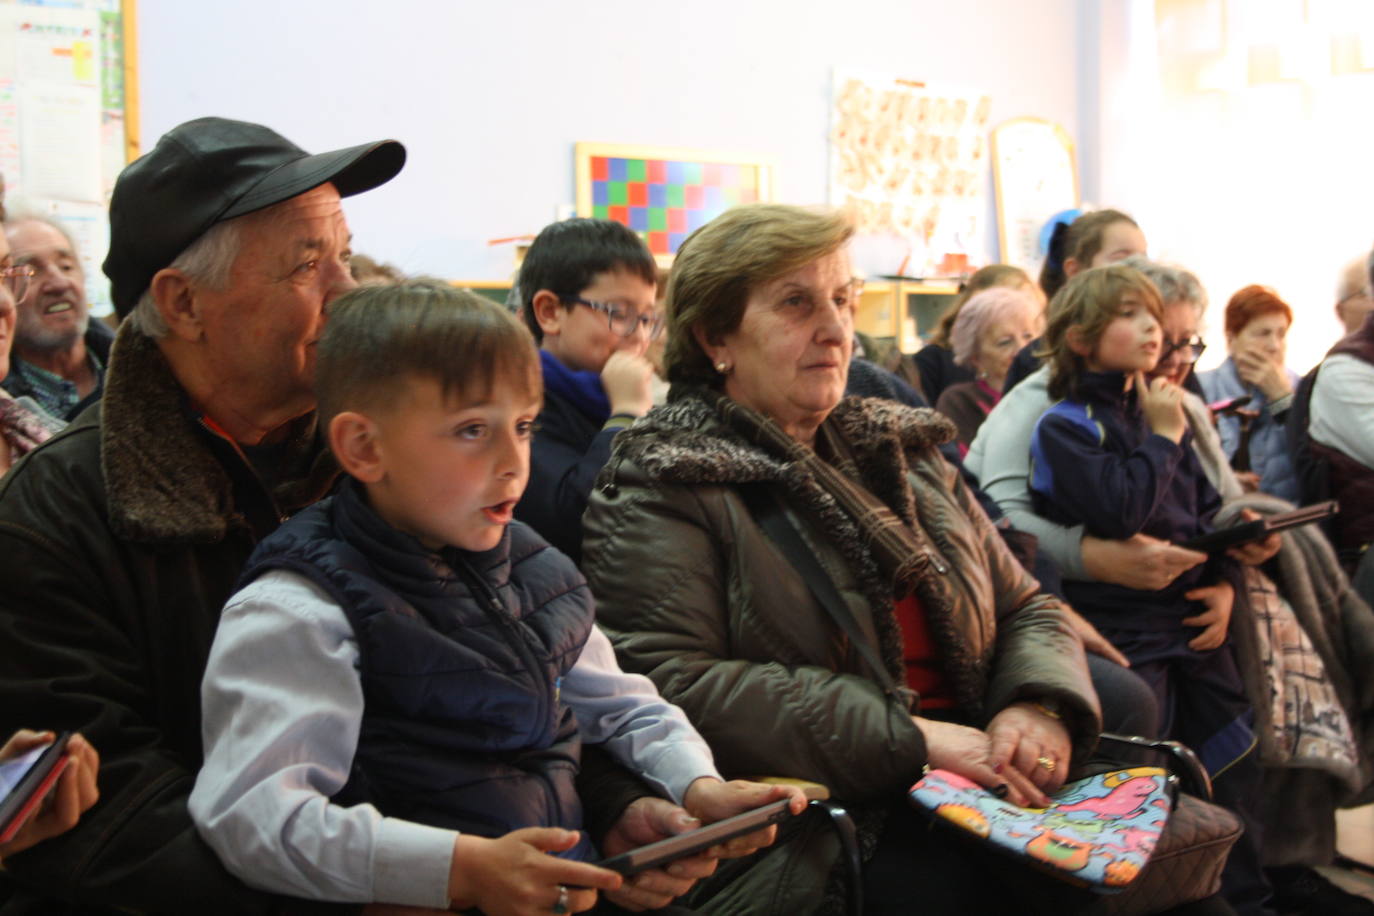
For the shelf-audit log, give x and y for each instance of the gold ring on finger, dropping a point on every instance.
(1046, 762)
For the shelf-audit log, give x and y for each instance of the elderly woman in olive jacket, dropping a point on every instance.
(699, 597)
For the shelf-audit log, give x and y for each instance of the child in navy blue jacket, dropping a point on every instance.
(1114, 454)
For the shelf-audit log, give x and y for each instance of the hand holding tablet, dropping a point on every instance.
(1261, 528)
(695, 841)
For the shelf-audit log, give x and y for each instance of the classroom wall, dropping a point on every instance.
(490, 98)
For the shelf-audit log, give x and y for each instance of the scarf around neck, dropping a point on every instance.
(896, 547)
(24, 426)
(583, 389)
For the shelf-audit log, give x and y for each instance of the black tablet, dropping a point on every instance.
(695, 841)
(1261, 528)
(25, 780)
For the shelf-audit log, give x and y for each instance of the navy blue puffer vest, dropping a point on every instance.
(461, 658)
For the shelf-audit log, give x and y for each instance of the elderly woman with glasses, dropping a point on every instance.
(809, 579)
(23, 424)
(587, 292)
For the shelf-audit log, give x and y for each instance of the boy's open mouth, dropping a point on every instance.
(501, 513)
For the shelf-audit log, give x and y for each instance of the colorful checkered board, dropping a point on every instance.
(666, 200)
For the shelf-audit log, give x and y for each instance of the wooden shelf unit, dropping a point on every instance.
(903, 310)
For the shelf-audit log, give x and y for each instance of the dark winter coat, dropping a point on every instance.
(120, 540)
(695, 595)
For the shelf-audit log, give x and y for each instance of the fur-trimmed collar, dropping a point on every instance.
(685, 442)
(163, 483)
(681, 441)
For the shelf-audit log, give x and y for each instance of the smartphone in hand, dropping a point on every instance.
(26, 780)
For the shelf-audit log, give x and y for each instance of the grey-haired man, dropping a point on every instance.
(121, 539)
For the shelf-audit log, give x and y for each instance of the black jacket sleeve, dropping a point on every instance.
(80, 649)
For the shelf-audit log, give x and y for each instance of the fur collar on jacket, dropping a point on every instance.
(685, 442)
(163, 483)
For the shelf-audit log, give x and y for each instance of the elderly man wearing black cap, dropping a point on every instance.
(121, 540)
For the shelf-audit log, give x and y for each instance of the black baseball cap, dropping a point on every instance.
(210, 170)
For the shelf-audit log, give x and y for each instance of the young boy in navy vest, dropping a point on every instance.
(587, 292)
(396, 697)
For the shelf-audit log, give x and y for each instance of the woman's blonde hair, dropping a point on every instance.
(720, 264)
(1081, 311)
(993, 275)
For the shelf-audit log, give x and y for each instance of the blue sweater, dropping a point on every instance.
(1095, 462)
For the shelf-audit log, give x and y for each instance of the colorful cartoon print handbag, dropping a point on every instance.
(1098, 833)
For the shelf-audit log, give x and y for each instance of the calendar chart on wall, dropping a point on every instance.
(665, 194)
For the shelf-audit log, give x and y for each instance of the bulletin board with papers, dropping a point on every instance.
(69, 115)
(909, 162)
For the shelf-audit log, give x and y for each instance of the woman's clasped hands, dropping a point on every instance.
(1024, 749)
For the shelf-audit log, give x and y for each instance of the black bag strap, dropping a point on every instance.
(764, 506)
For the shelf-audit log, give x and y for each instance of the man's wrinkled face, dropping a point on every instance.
(260, 331)
(53, 313)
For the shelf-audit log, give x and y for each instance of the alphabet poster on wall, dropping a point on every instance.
(66, 114)
(909, 160)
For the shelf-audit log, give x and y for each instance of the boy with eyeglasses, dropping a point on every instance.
(587, 290)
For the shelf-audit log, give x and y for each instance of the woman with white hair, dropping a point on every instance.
(991, 328)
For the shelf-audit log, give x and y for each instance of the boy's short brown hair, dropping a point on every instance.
(1085, 305)
(379, 338)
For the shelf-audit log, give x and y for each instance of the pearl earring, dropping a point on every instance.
(722, 367)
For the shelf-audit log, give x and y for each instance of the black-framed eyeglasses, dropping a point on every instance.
(624, 321)
(17, 279)
(1189, 351)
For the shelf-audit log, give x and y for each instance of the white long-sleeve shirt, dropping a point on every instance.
(1341, 412)
(282, 706)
